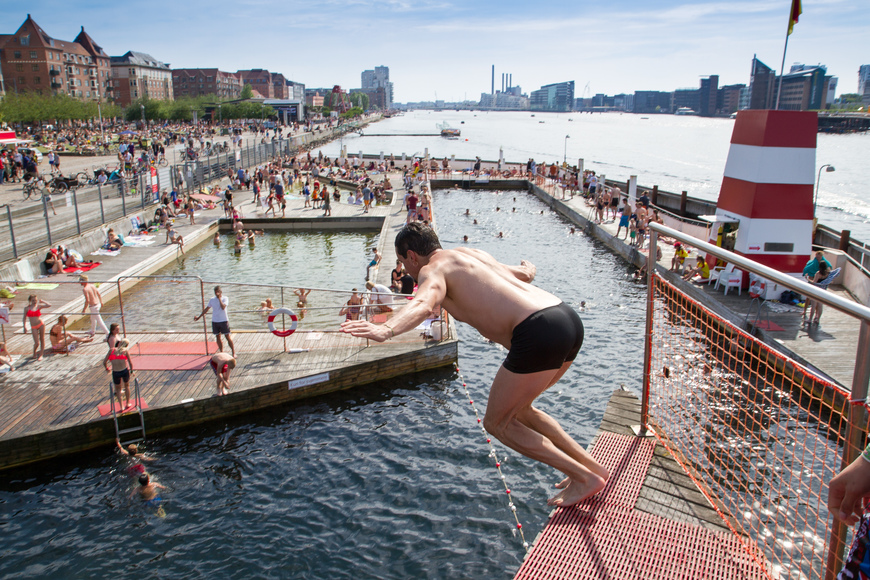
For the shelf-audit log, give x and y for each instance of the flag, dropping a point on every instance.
(796, 11)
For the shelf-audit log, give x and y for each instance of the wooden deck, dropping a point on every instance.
(49, 408)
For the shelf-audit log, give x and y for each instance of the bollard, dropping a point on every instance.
(845, 238)
(654, 197)
(683, 202)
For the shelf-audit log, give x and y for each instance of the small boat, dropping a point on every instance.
(685, 111)
(642, 118)
(461, 122)
(448, 131)
(540, 121)
(532, 115)
(570, 119)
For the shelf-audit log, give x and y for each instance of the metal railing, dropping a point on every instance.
(750, 424)
(144, 305)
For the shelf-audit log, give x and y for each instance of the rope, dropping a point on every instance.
(494, 456)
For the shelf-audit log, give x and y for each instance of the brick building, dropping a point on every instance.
(31, 60)
(192, 82)
(137, 75)
(268, 84)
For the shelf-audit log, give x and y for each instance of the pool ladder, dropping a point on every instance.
(136, 429)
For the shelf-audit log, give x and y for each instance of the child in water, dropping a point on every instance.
(237, 249)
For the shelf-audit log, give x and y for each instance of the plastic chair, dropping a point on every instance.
(723, 272)
(733, 279)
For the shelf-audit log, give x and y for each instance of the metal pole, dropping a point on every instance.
(121, 306)
(47, 225)
(643, 430)
(76, 206)
(282, 319)
(100, 195)
(123, 195)
(204, 327)
(11, 232)
(857, 414)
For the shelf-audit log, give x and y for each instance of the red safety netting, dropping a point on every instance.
(761, 434)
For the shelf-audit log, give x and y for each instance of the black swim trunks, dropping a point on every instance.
(545, 340)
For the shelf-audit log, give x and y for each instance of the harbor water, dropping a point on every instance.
(391, 480)
(677, 153)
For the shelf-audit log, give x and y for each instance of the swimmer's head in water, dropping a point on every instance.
(133, 448)
(143, 479)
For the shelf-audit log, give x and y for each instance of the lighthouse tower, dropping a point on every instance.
(768, 187)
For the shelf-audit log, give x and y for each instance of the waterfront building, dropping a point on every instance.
(270, 85)
(2, 85)
(379, 78)
(296, 91)
(686, 99)
(377, 97)
(139, 75)
(505, 101)
(762, 84)
(805, 88)
(864, 82)
(193, 82)
(728, 99)
(707, 96)
(652, 102)
(31, 60)
(555, 97)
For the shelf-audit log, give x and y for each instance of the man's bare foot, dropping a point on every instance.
(573, 492)
(39, 358)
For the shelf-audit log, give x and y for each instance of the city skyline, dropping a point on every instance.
(624, 47)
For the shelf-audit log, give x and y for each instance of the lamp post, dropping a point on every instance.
(220, 115)
(100, 114)
(142, 108)
(565, 156)
(828, 169)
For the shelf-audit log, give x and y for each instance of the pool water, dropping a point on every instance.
(317, 259)
(389, 480)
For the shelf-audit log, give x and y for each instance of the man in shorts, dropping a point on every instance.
(220, 322)
(541, 333)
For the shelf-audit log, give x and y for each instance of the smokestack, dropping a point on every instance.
(493, 80)
(502, 82)
(511, 81)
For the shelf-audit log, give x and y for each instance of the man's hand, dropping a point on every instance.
(847, 491)
(530, 268)
(365, 329)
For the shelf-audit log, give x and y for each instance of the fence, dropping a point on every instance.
(144, 305)
(79, 209)
(761, 434)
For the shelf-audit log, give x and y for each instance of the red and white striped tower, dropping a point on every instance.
(768, 187)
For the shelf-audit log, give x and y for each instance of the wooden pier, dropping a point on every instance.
(51, 407)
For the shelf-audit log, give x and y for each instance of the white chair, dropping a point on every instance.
(721, 273)
(733, 279)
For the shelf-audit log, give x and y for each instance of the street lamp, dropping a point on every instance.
(142, 107)
(565, 156)
(220, 115)
(828, 169)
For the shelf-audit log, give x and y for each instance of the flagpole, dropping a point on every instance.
(781, 73)
(782, 69)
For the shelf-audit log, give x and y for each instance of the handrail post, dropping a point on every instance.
(47, 224)
(121, 306)
(100, 195)
(282, 319)
(124, 196)
(857, 417)
(202, 300)
(11, 232)
(643, 430)
(76, 207)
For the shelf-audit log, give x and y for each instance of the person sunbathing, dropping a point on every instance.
(63, 341)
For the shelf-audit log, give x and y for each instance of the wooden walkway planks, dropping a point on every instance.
(667, 490)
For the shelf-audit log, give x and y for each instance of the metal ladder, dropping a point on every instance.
(140, 428)
(763, 310)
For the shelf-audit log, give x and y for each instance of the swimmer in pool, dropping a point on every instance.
(148, 493)
(542, 334)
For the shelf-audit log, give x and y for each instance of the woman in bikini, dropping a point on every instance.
(122, 369)
(33, 314)
(63, 341)
(352, 307)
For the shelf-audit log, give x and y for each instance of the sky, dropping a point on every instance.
(445, 49)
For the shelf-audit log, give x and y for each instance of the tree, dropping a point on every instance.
(247, 91)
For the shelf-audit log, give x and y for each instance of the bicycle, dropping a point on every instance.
(35, 185)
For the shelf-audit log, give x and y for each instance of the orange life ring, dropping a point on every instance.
(293, 322)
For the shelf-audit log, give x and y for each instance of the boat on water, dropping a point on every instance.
(448, 131)
(685, 111)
